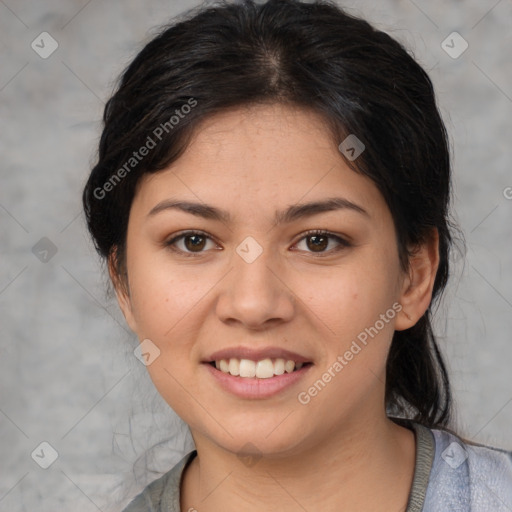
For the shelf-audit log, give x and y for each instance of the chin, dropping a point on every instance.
(257, 439)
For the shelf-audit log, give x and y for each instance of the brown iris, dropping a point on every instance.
(316, 244)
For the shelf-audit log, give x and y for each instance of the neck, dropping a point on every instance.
(364, 466)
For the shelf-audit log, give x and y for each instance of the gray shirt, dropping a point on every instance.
(450, 475)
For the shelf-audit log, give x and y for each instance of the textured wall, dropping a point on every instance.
(68, 376)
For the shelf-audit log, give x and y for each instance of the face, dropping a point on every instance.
(282, 254)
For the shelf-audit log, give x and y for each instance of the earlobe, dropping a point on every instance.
(418, 285)
(122, 292)
(125, 305)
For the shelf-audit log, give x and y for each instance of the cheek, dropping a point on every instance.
(162, 297)
(355, 314)
(166, 303)
(351, 297)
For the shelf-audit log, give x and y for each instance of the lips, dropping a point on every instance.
(256, 378)
(248, 363)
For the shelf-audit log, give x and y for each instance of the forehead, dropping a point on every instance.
(259, 156)
(275, 132)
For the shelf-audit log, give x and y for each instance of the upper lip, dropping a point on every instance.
(256, 354)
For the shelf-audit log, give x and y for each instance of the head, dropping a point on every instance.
(256, 110)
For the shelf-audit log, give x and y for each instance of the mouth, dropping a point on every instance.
(260, 369)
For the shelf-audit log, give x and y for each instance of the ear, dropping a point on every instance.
(417, 286)
(121, 287)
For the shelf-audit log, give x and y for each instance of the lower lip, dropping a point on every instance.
(254, 388)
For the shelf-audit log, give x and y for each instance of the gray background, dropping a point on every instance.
(68, 374)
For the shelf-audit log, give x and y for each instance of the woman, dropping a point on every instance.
(272, 198)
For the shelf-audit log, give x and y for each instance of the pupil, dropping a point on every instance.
(195, 244)
(316, 245)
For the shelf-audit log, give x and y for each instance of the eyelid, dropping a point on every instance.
(341, 240)
(170, 243)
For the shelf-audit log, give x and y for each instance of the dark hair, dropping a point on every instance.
(310, 55)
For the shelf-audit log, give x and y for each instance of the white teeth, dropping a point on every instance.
(279, 367)
(289, 366)
(234, 366)
(247, 368)
(263, 369)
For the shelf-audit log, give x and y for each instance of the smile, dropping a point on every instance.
(248, 385)
(262, 369)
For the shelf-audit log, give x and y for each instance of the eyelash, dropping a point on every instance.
(315, 232)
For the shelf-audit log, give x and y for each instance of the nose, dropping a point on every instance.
(255, 293)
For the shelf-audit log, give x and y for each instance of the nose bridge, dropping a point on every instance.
(255, 292)
(253, 271)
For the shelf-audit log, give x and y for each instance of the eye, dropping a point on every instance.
(319, 240)
(192, 242)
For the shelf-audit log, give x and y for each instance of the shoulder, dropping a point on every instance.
(468, 476)
(163, 494)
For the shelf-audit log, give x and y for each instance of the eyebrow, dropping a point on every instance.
(287, 215)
